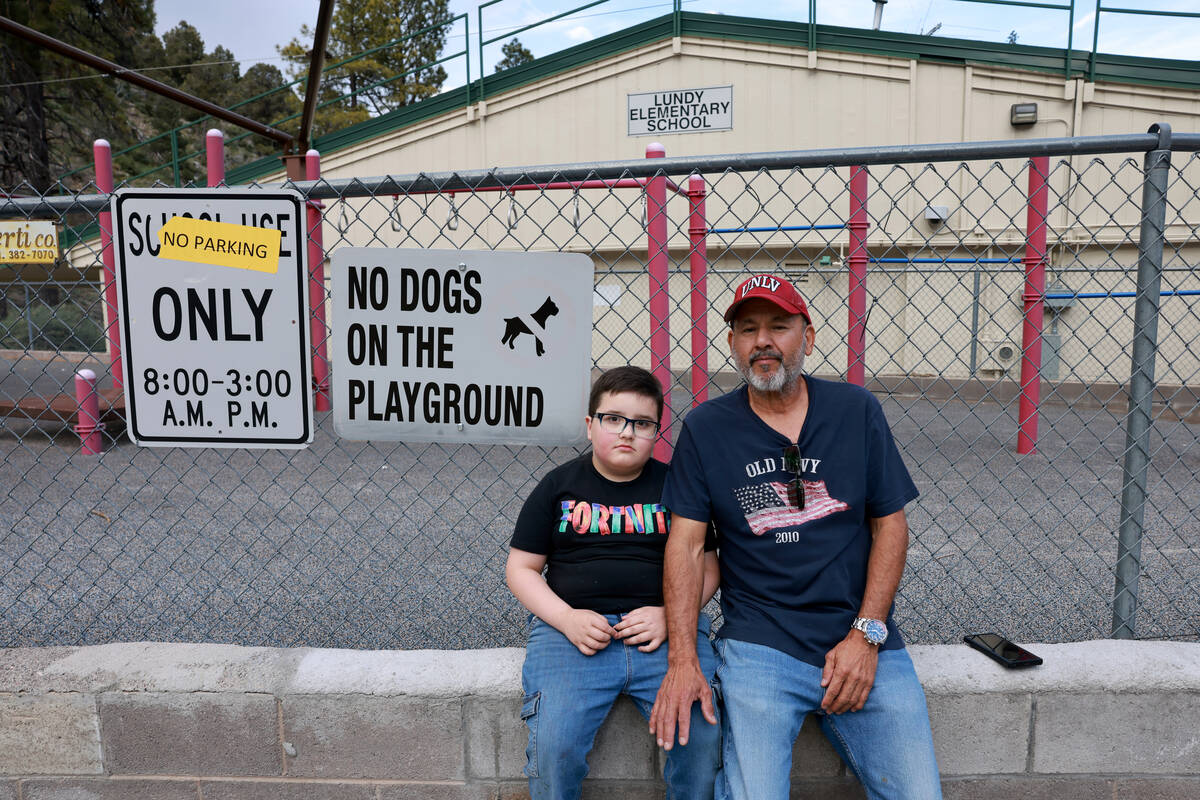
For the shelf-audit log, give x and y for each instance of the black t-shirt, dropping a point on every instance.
(603, 540)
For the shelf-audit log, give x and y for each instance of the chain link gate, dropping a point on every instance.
(920, 265)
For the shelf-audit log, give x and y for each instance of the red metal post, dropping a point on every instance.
(89, 425)
(1034, 297)
(102, 152)
(658, 267)
(698, 272)
(856, 331)
(316, 287)
(214, 150)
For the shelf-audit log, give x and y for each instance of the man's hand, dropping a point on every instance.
(587, 630)
(645, 626)
(683, 685)
(849, 674)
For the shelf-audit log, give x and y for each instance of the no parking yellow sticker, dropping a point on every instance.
(221, 244)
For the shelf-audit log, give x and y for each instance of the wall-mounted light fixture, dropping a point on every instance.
(1023, 114)
(937, 214)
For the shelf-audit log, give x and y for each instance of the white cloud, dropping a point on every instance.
(580, 33)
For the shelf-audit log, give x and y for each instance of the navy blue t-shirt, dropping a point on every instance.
(791, 579)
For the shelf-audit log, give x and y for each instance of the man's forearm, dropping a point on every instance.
(683, 580)
(889, 549)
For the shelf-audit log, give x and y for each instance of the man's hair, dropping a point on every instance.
(626, 379)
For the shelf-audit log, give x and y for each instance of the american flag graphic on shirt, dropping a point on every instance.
(766, 505)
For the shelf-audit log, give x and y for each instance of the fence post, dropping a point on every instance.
(1141, 383)
(316, 287)
(89, 425)
(214, 150)
(660, 304)
(175, 157)
(102, 153)
(856, 331)
(1034, 301)
(698, 272)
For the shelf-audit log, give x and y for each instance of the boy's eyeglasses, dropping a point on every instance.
(792, 463)
(615, 423)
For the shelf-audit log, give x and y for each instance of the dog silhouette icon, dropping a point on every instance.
(515, 326)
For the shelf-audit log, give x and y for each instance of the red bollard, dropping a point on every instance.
(89, 425)
(658, 268)
(102, 151)
(698, 272)
(856, 338)
(1034, 300)
(214, 151)
(316, 287)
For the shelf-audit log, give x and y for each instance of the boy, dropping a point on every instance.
(599, 628)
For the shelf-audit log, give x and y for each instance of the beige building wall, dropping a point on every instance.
(787, 98)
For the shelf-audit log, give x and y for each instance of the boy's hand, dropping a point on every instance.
(647, 625)
(587, 630)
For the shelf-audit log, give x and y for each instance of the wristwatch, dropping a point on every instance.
(875, 631)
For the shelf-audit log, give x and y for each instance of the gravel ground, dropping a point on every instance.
(350, 544)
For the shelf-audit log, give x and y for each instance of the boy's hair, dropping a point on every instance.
(626, 379)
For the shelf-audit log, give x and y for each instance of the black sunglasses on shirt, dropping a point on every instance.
(792, 463)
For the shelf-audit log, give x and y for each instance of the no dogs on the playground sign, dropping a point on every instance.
(468, 346)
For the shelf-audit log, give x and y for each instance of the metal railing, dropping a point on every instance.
(1051, 423)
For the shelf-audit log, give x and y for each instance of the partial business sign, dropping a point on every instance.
(461, 346)
(681, 111)
(28, 242)
(214, 317)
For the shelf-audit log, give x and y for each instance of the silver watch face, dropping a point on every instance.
(875, 631)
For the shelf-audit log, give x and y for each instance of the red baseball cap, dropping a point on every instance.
(772, 289)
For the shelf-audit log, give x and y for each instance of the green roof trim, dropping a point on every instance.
(1108, 68)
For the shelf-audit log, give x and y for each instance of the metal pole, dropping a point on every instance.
(975, 290)
(175, 157)
(1141, 384)
(102, 153)
(658, 270)
(89, 426)
(316, 287)
(1034, 298)
(316, 63)
(214, 150)
(698, 272)
(857, 262)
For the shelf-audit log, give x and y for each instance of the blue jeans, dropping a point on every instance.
(766, 695)
(568, 695)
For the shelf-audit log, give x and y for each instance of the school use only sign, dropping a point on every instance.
(461, 346)
(214, 317)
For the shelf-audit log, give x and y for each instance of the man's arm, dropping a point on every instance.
(587, 630)
(684, 683)
(850, 666)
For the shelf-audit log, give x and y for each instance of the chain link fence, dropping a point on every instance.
(921, 274)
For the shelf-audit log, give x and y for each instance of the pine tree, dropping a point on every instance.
(361, 25)
(515, 54)
(53, 108)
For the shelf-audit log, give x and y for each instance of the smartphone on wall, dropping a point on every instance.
(1002, 651)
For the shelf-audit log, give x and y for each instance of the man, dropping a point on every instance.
(807, 491)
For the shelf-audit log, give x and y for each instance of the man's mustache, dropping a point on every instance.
(766, 353)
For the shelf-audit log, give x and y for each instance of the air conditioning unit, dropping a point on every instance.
(998, 355)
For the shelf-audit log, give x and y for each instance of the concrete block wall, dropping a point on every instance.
(1105, 719)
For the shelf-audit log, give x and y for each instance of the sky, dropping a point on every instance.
(252, 29)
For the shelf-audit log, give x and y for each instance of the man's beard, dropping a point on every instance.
(785, 376)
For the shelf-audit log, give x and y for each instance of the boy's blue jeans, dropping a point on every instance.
(568, 695)
(765, 697)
